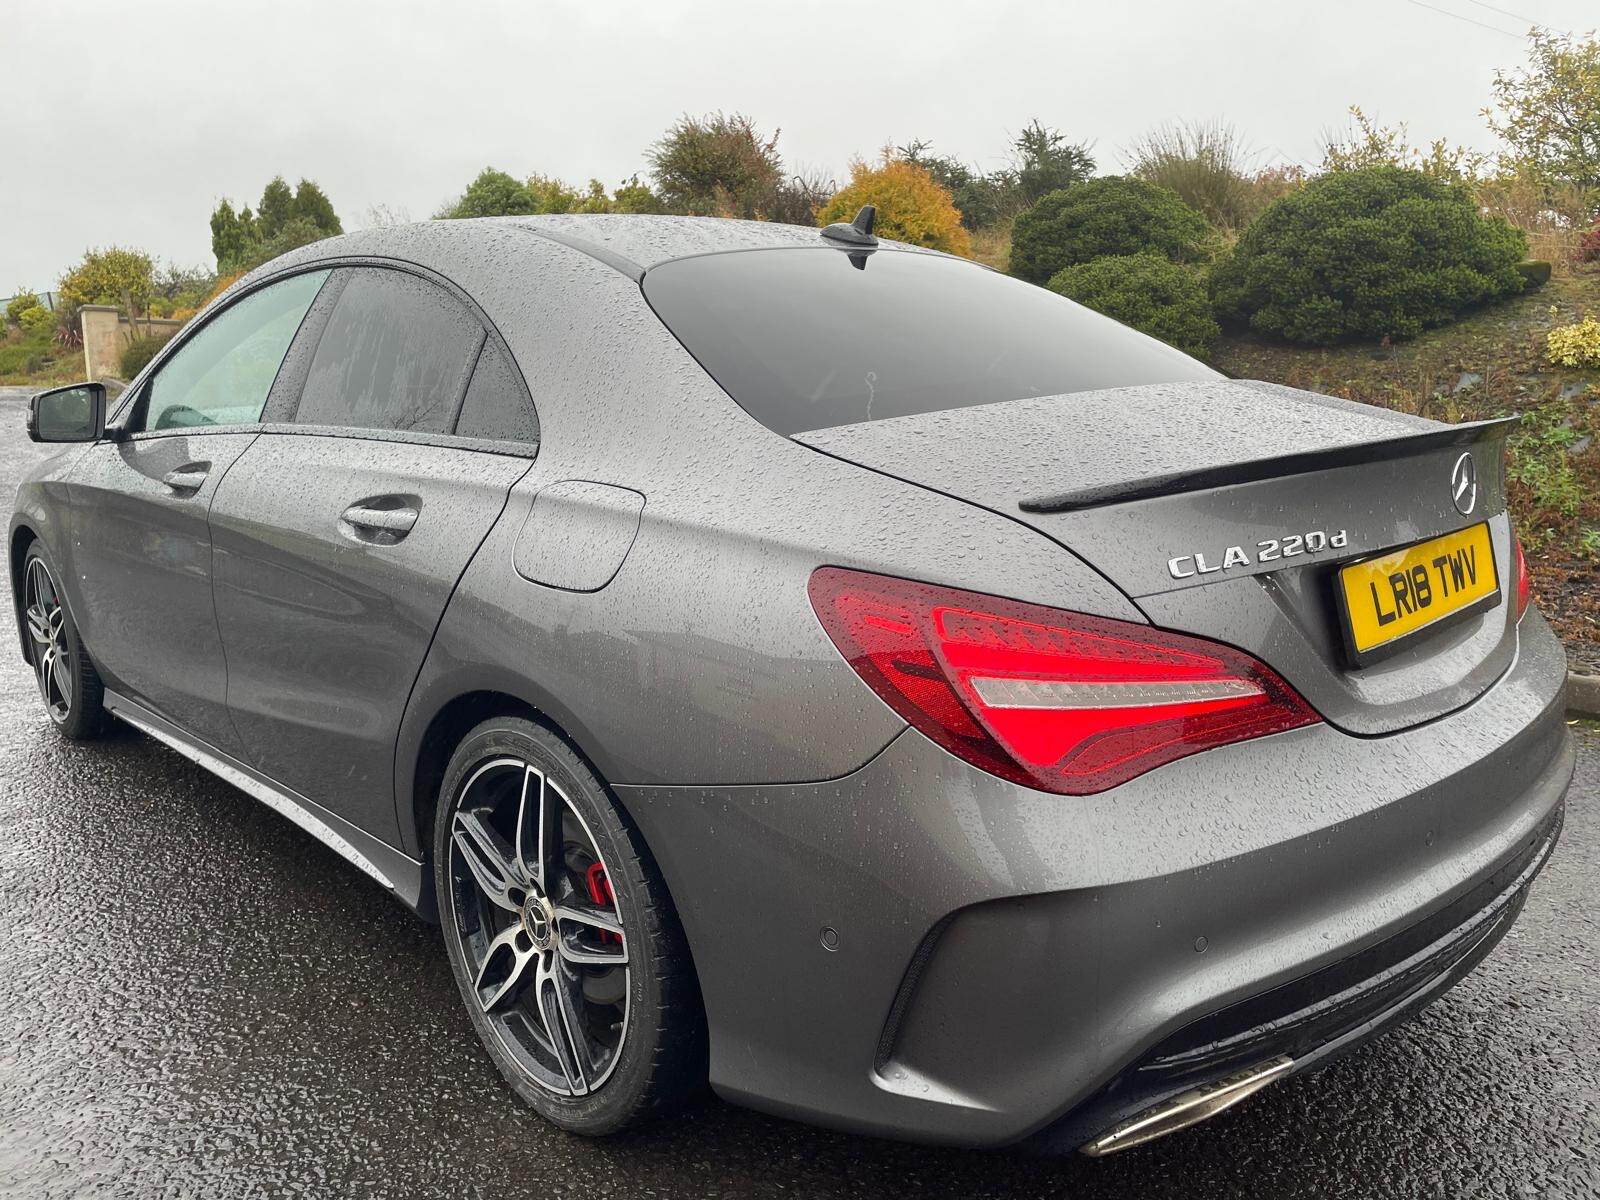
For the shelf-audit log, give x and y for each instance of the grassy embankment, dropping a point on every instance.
(36, 360)
(1489, 364)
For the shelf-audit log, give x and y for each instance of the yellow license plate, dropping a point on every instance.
(1393, 595)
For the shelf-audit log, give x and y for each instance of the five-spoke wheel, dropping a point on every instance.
(534, 907)
(562, 937)
(47, 622)
(68, 684)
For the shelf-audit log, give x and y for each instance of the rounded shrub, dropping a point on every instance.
(139, 351)
(1370, 253)
(1576, 345)
(37, 319)
(1152, 294)
(1103, 217)
(21, 303)
(912, 207)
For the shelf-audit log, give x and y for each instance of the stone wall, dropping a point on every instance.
(106, 333)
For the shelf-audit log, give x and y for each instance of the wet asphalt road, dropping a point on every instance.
(197, 999)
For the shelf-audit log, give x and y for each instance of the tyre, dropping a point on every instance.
(561, 934)
(68, 683)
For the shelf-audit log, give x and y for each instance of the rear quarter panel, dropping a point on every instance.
(701, 661)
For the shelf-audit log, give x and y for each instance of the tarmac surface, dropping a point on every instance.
(198, 999)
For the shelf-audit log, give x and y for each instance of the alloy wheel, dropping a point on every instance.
(47, 632)
(539, 926)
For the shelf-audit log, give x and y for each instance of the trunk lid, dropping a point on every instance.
(1225, 509)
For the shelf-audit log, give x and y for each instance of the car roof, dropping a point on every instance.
(464, 250)
(636, 242)
(631, 243)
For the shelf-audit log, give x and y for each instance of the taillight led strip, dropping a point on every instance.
(1056, 700)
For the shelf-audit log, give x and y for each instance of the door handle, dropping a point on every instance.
(188, 478)
(384, 520)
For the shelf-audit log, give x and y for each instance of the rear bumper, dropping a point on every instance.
(1009, 964)
(1314, 1019)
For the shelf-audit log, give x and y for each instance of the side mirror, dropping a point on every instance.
(69, 414)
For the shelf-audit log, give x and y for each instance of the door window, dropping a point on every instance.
(221, 375)
(395, 355)
(497, 406)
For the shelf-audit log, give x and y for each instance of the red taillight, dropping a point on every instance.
(1524, 580)
(1051, 699)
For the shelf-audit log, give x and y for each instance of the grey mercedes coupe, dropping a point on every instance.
(816, 666)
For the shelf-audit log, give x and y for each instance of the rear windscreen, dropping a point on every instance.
(807, 339)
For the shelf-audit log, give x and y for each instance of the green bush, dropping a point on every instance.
(21, 360)
(37, 320)
(110, 276)
(634, 196)
(718, 165)
(1103, 217)
(27, 354)
(1152, 294)
(1041, 161)
(493, 194)
(139, 351)
(1369, 253)
(19, 304)
(1535, 273)
(12, 357)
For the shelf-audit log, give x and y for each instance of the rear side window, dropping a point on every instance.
(394, 355)
(497, 406)
(221, 375)
(811, 338)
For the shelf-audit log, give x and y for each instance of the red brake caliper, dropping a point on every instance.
(601, 895)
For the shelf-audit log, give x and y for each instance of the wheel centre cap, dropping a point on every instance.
(539, 920)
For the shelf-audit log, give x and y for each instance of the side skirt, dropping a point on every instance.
(374, 858)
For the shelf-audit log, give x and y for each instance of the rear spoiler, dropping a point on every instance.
(1253, 470)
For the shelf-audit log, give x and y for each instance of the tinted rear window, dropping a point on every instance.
(804, 339)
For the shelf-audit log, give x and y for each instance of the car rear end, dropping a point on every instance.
(1115, 874)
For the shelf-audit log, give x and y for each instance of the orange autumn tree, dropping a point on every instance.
(911, 206)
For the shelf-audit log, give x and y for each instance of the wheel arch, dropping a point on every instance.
(22, 537)
(426, 746)
(437, 743)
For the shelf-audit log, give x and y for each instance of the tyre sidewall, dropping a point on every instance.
(85, 714)
(625, 1090)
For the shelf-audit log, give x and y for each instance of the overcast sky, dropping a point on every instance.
(125, 123)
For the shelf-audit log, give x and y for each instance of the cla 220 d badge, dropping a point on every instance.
(1187, 566)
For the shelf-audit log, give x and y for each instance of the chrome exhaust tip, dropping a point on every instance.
(1187, 1108)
